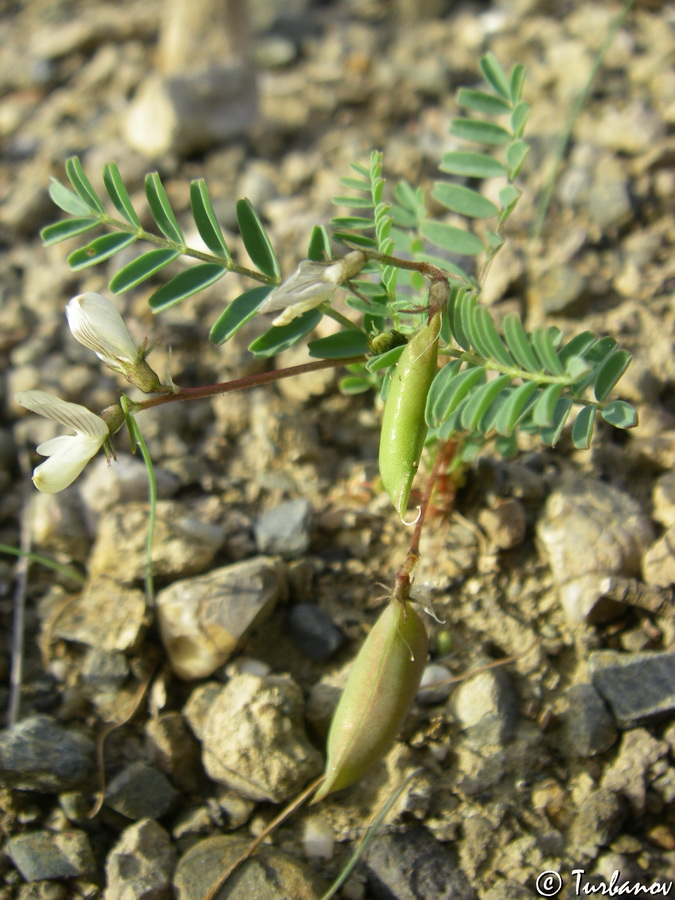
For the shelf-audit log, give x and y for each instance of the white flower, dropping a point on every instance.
(312, 284)
(95, 322)
(68, 454)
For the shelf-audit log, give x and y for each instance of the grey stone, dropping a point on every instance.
(106, 615)
(104, 669)
(192, 111)
(285, 529)
(203, 620)
(58, 524)
(590, 530)
(639, 687)
(314, 632)
(140, 865)
(254, 738)
(486, 706)
(50, 854)
(37, 754)
(587, 726)
(140, 792)
(183, 544)
(635, 766)
(103, 486)
(269, 875)
(414, 866)
(597, 822)
(436, 685)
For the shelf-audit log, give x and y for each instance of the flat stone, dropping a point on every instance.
(639, 687)
(173, 749)
(254, 738)
(285, 530)
(414, 865)
(663, 497)
(204, 620)
(51, 854)
(140, 865)
(140, 792)
(37, 754)
(587, 726)
(590, 530)
(270, 875)
(106, 615)
(183, 544)
(486, 706)
(314, 632)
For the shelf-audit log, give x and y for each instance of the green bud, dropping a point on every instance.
(403, 426)
(379, 691)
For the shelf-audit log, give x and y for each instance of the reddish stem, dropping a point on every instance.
(240, 384)
(402, 581)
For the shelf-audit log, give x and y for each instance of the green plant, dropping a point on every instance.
(413, 285)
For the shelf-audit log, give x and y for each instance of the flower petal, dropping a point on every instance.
(68, 455)
(72, 415)
(95, 323)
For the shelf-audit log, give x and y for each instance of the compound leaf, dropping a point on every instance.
(161, 209)
(118, 194)
(582, 430)
(205, 219)
(237, 313)
(141, 268)
(191, 281)
(100, 249)
(282, 337)
(464, 200)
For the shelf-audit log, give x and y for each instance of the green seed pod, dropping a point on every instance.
(403, 425)
(380, 688)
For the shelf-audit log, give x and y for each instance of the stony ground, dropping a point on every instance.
(272, 534)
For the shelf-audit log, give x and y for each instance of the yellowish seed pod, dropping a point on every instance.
(379, 691)
(403, 426)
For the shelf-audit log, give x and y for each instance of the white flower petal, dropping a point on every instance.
(67, 457)
(95, 323)
(72, 415)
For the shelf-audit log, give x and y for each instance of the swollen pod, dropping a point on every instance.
(379, 691)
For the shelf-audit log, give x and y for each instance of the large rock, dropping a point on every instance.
(140, 865)
(183, 545)
(254, 738)
(37, 754)
(203, 620)
(590, 530)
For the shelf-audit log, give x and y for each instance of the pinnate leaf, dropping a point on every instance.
(68, 228)
(161, 209)
(464, 200)
(141, 268)
(282, 337)
(99, 249)
(256, 240)
(237, 313)
(191, 281)
(118, 194)
(480, 132)
(205, 219)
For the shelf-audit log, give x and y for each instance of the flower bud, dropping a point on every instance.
(312, 284)
(95, 323)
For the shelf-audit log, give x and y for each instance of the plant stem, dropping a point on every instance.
(402, 581)
(240, 384)
(226, 262)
